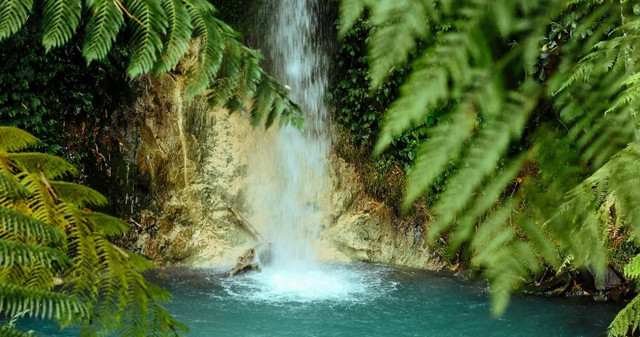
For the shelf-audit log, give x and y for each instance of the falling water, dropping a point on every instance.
(290, 186)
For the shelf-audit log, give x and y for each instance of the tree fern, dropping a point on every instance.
(159, 33)
(540, 95)
(102, 29)
(15, 139)
(49, 233)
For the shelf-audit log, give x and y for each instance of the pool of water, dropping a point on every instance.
(362, 300)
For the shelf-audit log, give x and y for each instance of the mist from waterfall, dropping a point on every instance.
(289, 184)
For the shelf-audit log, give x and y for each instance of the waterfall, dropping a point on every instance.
(289, 188)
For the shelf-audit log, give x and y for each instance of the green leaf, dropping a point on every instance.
(51, 166)
(13, 139)
(102, 29)
(77, 194)
(60, 21)
(149, 24)
(178, 37)
(13, 14)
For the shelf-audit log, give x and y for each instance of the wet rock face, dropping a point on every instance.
(189, 164)
(191, 159)
(363, 229)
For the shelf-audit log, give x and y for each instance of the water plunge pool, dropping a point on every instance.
(361, 300)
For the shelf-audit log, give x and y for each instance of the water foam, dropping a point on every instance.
(327, 283)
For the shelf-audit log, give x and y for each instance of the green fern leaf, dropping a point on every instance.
(447, 138)
(29, 256)
(262, 103)
(8, 331)
(106, 224)
(179, 35)
(149, 24)
(212, 46)
(102, 29)
(400, 23)
(78, 195)
(13, 139)
(51, 166)
(13, 14)
(350, 12)
(16, 225)
(625, 322)
(60, 21)
(11, 187)
(42, 304)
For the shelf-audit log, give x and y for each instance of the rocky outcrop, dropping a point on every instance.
(362, 229)
(184, 165)
(189, 169)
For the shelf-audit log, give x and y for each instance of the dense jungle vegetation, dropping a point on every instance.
(514, 121)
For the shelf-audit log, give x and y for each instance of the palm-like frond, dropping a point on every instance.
(77, 194)
(60, 21)
(18, 226)
(8, 331)
(520, 132)
(212, 41)
(48, 305)
(30, 255)
(47, 233)
(178, 37)
(102, 29)
(149, 25)
(13, 139)
(13, 14)
(160, 32)
(50, 166)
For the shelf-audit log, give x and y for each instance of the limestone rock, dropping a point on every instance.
(245, 263)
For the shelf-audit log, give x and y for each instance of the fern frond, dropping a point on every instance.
(262, 103)
(28, 255)
(51, 166)
(626, 321)
(149, 24)
(77, 194)
(350, 12)
(102, 29)
(210, 57)
(14, 139)
(446, 140)
(60, 21)
(11, 187)
(42, 304)
(178, 37)
(106, 224)
(399, 23)
(13, 14)
(8, 331)
(17, 225)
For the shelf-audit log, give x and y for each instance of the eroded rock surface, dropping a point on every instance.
(363, 229)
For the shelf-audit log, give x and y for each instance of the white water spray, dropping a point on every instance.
(289, 187)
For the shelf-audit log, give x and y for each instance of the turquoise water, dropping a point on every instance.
(363, 300)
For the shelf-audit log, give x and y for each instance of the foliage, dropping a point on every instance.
(56, 261)
(541, 103)
(54, 95)
(159, 33)
(359, 112)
